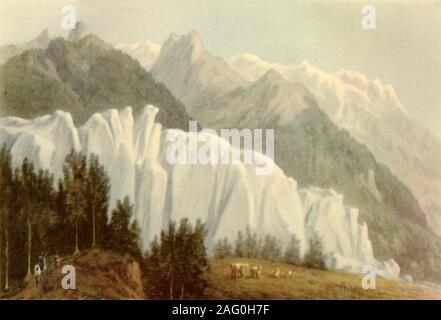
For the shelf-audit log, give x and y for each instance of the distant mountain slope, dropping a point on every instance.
(373, 114)
(270, 100)
(40, 42)
(82, 76)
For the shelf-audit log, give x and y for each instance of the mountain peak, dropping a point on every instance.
(79, 32)
(189, 46)
(42, 40)
(272, 77)
(46, 34)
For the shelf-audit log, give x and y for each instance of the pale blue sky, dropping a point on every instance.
(404, 50)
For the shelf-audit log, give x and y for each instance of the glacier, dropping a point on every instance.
(227, 198)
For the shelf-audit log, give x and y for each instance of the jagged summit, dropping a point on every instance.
(45, 37)
(191, 72)
(272, 77)
(80, 31)
(188, 46)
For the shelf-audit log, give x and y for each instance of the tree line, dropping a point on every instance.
(37, 215)
(249, 245)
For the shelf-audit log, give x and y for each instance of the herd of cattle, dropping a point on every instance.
(238, 271)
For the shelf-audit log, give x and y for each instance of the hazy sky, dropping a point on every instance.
(404, 50)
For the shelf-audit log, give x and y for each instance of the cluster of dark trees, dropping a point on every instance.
(176, 265)
(36, 216)
(249, 245)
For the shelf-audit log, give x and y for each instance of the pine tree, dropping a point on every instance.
(44, 214)
(154, 267)
(6, 197)
(28, 188)
(195, 272)
(97, 199)
(134, 240)
(227, 248)
(124, 236)
(251, 244)
(222, 248)
(239, 250)
(270, 249)
(292, 251)
(75, 171)
(61, 233)
(315, 257)
(169, 258)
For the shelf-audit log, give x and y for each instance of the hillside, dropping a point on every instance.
(100, 275)
(306, 284)
(82, 76)
(106, 275)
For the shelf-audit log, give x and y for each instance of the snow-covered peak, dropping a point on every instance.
(146, 52)
(252, 67)
(374, 87)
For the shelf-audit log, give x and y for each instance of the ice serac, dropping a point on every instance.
(45, 140)
(227, 198)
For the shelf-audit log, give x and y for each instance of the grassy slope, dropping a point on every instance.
(307, 284)
(105, 275)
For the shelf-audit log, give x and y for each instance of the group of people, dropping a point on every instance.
(41, 268)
